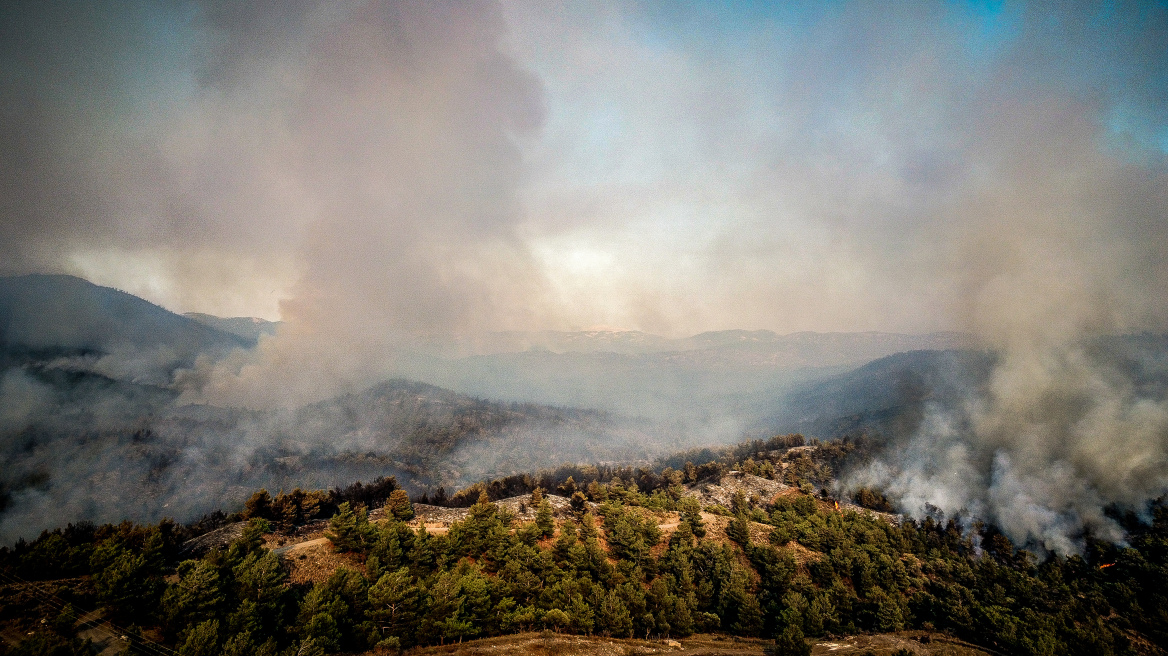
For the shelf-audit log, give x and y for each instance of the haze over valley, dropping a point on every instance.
(99, 424)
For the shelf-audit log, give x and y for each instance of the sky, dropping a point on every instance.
(375, 167)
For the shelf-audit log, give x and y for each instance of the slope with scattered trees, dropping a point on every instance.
(783, 570)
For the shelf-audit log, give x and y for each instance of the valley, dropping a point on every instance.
(94, 380)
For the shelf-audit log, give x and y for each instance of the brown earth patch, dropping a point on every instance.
(716, 529)
(281, 540)
(923, 643)
(556, 644)
(800, 553)
(547, 643)
(667, 523)
(315, 562)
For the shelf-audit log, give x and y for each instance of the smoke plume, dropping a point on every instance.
(384, 174)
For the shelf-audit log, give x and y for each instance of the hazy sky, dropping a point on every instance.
(433, 167)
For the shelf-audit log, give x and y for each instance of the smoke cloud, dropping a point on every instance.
(1055, 438)
(379, 174)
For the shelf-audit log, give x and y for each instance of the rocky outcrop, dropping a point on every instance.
(721, 492)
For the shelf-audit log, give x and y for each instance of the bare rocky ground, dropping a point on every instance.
(924, 643)
(439, 518)
(220, 538)
(721, 492)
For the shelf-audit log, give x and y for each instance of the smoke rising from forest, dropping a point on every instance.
(383, 174)
(1055, 439)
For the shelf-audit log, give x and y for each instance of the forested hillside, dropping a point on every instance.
(79, 444)
(633, 553)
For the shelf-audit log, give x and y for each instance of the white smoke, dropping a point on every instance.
(1057, 436)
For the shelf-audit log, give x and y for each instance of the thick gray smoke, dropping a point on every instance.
(403, 127)
(1071, 251)
(360, 159)
(79, 446)
(380, 172)
(1055, 438)
(1060, 243)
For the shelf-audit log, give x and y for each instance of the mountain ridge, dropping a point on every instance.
(249, 328)
(51, 316)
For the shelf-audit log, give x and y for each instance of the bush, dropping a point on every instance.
(789, 643)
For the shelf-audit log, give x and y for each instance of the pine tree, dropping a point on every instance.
(393, 605)
(583, 618)
(588, 527)
(579, 502)
(399, 507)
(567, 487)
(352, 591)
(239, 644)
(749, 621)
(692, 514)
(128, 585)
(739, 530)
(424, 557)
(198, 596)
(259, 505)
(544, 520)
(790, 643)
(245, 619)
(555, 618)
(321, 630)
(738, 504)
(202, 640)
(250, 541)
(349, 530)
(613, 617)
(260, 578)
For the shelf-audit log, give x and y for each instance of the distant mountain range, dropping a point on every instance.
(760, 347)
(710, 377)
(90, 427)
(889, 395)
(885, 395)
